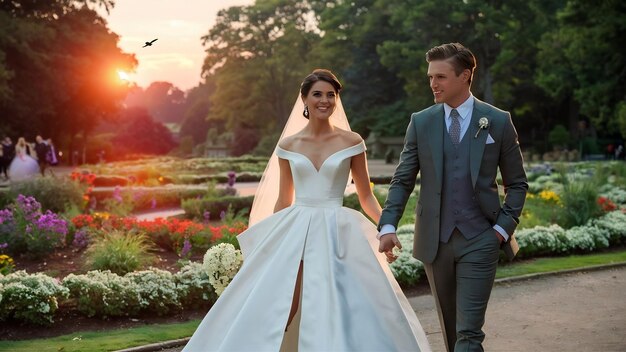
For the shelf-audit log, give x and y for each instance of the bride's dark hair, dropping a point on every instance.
(319, 74)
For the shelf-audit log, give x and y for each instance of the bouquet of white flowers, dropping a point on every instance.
(221, 263)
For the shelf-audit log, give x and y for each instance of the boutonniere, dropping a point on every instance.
(483, 123)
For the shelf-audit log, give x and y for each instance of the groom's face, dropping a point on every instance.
(447, 87)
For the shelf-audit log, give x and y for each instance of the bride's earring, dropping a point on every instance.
(305, 113)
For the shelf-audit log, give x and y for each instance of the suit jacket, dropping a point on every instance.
(423, 152)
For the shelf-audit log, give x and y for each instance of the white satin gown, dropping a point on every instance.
(350, 300)
(23, 166)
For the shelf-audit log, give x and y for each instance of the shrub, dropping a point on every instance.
(119, 252)
(157, 290)
(406, 269)
(5, 198)
(194, 288)
(56, 194)
(195, 208)
(103, 294)
(145, 198)
(110, 181)
(120, 204)
(579, 202)
(24, 229)
(579, 238)
(614, 223)
(541, 240)
(30, 298)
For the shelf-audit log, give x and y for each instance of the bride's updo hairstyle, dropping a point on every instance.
(319, 74)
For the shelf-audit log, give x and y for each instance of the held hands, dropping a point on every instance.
(387, 242)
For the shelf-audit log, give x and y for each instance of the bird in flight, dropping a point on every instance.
(150, 43)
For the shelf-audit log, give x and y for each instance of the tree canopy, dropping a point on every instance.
(537, 59)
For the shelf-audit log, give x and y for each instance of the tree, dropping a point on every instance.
(164, 101)
(62, 56)
(583, 60)
(197, 107)
(140, 134)
(256, 57)
(373, 94)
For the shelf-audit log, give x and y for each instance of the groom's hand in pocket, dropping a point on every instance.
(387, 242)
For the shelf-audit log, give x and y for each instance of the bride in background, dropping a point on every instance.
(23, 165)
(312, 277)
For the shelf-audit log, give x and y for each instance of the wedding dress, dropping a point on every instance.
(23, 165)
(349, 299)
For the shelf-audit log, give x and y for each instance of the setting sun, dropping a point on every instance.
(123, 75)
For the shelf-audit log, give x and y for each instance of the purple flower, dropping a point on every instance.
(117, 194)
(186, 248)
(29, 206)
(232, 176)
(222, 215)
(6, 216)
(50, 222)
(206, 215)
(81, 240)
(4, 245)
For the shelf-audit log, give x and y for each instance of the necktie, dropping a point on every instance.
(455, 127)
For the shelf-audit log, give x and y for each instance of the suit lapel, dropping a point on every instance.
(477, 145)
(436, 141)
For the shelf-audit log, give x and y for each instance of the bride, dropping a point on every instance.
(23, 165)
(312, 278)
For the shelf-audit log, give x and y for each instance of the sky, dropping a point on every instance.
(178, 54)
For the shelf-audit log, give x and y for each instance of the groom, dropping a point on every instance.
(458, 145)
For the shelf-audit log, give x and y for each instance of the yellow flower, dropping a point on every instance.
(102, 215)
(549, 196)
(5, 259)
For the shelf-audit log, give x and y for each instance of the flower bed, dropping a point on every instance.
(169, 234)
(35, 298)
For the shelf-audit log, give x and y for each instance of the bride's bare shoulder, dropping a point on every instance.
(288, 142)
(350, 138)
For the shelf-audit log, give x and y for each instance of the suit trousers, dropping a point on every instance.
(461, 278)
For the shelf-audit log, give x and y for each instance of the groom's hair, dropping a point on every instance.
(460, 57)
(319, 74)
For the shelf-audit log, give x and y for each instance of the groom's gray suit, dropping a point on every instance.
(457, 208)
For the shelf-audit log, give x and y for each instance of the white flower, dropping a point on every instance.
(483, 123)
(221, 263)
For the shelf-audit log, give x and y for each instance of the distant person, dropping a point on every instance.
(619, 151)
(23, 165)
(8, 152)
(610, 151)
(41, 149)
(51, 157)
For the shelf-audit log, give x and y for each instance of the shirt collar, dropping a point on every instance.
(465, 109)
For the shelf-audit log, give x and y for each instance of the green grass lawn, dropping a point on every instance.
(542, 265)
(124, 338)
(104, 341)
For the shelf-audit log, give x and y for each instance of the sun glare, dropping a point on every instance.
(123, 75)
